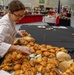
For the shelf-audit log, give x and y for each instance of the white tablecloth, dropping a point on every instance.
(49, 19)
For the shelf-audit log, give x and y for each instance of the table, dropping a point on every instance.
(51, 12)
(65, 22)
(31, 18)
(48, 19)
(62, 21)
(55, 37)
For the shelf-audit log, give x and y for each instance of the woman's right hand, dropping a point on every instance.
(24, 49)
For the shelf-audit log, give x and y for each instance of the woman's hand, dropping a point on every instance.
(22, 32)
(24, 49)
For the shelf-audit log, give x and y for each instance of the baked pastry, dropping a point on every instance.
(32, 63)
(46, 53)
(17, 67)
(43, 63)
(43, 49)
(53, 61)
(34, 70)
(39, 68)
(63, 66)
(45, 59)
(38, 60)
(62, 56)
(69, 71)
(19, 72)
(32, 51)
(38, 52)
(51, 55)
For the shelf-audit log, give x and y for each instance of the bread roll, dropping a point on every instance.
(63, 66)
(62, 56)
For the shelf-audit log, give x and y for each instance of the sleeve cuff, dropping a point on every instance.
(4, 48)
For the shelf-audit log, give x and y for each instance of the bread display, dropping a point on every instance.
(44, 59)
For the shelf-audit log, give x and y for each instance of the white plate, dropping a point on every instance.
(41, 27)
(2, 72)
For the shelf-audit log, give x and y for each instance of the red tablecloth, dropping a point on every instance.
(51, 12)
(31, 18)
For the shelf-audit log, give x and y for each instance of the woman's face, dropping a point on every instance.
(17, 16)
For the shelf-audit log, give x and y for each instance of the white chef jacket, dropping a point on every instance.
(7, 34)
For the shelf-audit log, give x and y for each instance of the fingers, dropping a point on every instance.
(24, 33)
(24, 49)
(28, 52)
(21, 32)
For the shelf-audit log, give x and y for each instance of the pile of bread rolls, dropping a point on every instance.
(53, 60)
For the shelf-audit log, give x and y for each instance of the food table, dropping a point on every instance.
(44, 54)
(55, 37)
(31, 18)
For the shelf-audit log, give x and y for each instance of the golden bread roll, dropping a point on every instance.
(45, 59)
(43, 63)
(34, 70)
(38, 60)
(46, 53)
(32, 51)
(27, 38)
(17, 67)
(53, 61)
(39, 68)
(38, 52)
(32, 63)
(19, 72)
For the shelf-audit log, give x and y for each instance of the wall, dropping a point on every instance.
(48, 3)
(66, 2)
(32, 3)
(35, 3)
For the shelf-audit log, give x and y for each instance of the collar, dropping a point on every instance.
(12, 22)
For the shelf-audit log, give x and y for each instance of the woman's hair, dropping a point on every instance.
(15, 5)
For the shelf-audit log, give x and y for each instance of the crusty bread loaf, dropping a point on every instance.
(62, 56)
(63, 66)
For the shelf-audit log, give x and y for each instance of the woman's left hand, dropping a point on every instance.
(22, 32)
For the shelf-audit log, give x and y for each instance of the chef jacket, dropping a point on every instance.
(7, 34)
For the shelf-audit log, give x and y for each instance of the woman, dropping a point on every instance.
(7, 28)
